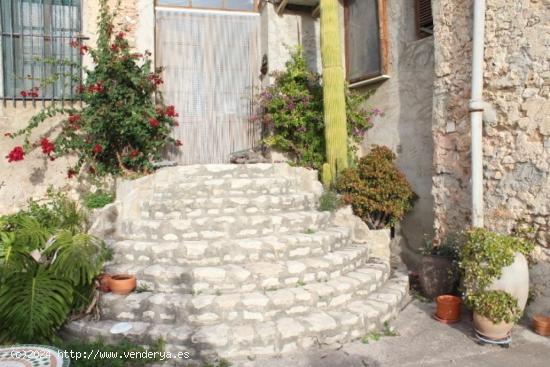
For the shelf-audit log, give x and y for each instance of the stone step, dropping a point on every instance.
(259, 275)
(182, 208)
(238, 251)
(223, 227)
(244, 307)
(283, 334)
(224, 187)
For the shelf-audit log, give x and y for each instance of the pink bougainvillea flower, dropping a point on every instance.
(23, 93)
(74, 43)
(84, 49)
(16, 154)
(114, 48)
(98, 148)
(96, 87)
(134, 153)
(171, 111)
(47, 146)
(80, 88)
(120, 36)
(178, 143)
(156, 79)
(154, 122)
(70, 173)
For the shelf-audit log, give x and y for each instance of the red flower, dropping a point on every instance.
(98, 149)
(74, 43)
(178, 143)
(8, 135)
(134, 153)
(84, 49)
(96, 87)
(114, 48)
(156, 79)
(80, 88)
(70, 173)
(74, 119)
(33, 92)
(16, 154)
(120, 36)
(171, 111)
(47, 147)
(23, 93)
(154, 122)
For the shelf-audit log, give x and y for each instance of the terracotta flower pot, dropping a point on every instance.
(104, 279)
(541, 325)
(489, 329)
(122, 283)
(448, 309)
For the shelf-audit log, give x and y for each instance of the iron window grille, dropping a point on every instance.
(36, 50)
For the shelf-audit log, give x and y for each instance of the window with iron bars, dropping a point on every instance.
(38, 62)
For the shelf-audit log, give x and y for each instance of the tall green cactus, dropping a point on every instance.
(333, 92)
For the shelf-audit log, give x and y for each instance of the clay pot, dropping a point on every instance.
(103, 280)
(122, 283)
(489, 329)
(439, 275)
(448, 309)
(541, 325)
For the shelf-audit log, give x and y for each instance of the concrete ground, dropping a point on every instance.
(422, 341)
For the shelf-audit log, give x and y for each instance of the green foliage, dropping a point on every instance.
(105, 357)
(482, 259)
(293, 114)
(123, 125)
(47, 269)
(497, 306)
(377, 191)
(388, 330)
(98, 199)
(450, 246)
(329, 201)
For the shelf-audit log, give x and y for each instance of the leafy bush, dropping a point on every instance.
(122, 350)
(450, 246)
(120, 127)
(98, 199)
(329, 201)
(47, 269)
(482, 258)
(377, 191)
(293, 114)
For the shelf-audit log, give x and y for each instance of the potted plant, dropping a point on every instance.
(122, 283)
(439, 273)
(448, 309)
(496, 280)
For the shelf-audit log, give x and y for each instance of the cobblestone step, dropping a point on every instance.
(191, 207)
(256, 338)
(227, 251)
(223, 227)
(246, 306)
(259, 275)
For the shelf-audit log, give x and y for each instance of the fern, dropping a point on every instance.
(33, 306)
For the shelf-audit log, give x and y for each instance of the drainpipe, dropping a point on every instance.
(476, 112)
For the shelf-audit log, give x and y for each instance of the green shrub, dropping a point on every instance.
(47, 269)
(293, 114)
(329, 201)
(497, 306)
(377, 191)
(98, 199)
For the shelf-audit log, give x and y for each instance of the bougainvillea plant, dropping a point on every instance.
(292, 114)
(122, 125)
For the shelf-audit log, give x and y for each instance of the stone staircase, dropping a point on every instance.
(235, 261)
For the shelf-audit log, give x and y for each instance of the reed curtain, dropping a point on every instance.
(211, 61)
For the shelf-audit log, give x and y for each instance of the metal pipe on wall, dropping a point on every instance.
(476, 112)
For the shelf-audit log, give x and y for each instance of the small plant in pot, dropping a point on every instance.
(496, 280)
(440, 273)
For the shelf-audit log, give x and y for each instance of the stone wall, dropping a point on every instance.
(516, 121)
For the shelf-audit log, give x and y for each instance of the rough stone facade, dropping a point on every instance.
(516, 132)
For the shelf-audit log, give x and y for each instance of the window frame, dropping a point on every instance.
(11, 36)
(384, 47)
(256, 9)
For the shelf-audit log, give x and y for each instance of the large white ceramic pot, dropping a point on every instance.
(515, 281)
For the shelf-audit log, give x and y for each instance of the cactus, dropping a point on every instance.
(333, 92)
